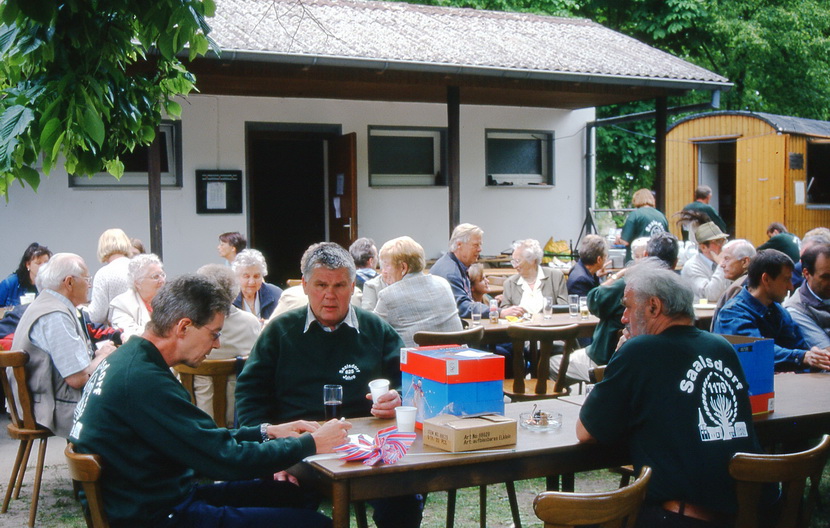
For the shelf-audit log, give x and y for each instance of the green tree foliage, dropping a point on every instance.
(89, 79)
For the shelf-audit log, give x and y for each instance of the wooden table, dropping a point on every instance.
(802, 411)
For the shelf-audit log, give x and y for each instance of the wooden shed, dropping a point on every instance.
(762, 168)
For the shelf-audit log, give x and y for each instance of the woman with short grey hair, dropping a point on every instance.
(256, 296)
(525, 292)
(130, 311)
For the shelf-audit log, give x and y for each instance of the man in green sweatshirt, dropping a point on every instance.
(327, 342)
(137, 416)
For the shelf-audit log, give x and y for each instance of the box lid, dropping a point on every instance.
(453, 364)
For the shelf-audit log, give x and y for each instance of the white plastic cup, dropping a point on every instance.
(378, 388)
(405, 417)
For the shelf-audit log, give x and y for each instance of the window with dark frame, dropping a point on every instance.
(818, 172)
(519, 157)
(407, 156)
(136, 164)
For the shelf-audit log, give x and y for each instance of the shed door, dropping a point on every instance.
(760, 186)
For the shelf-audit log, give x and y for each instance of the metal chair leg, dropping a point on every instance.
(514, 503)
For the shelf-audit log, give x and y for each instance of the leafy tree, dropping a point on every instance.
(89, 79)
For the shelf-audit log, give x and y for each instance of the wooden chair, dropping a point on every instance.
(618, 508)
(541, 347)
(218, 370)
(752, 471)
(470, 337)
(26, 429)
(85, 470)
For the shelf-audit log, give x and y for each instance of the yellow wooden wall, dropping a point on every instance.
(764, 186)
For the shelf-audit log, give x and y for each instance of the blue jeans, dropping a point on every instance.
(249, 503)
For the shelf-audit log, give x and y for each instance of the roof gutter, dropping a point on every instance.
(455, 69)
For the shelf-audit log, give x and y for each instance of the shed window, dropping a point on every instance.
(136, 164)
(407, 156)
(519, 158)
(818, 172)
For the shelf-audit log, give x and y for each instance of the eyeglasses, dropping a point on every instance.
(158, 277)
(86, 279)
(213, 335)
(515, 262)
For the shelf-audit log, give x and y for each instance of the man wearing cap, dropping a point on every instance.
(703, 272)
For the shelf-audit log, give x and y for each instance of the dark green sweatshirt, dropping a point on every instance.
(284, 376)
(138, 417)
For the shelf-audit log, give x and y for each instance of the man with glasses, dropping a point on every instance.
(465, 247)
(56, 338)
(136, 415)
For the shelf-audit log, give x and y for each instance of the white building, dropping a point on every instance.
(412, 88)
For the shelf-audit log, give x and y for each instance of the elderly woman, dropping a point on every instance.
(257, 296)
(114, 249)
(413, 301)
(479, 285)
(130, 311)
(526, 291)
(22, 281)
(230, 245)
(239, 334)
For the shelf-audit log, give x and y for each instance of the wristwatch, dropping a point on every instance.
(263, 431)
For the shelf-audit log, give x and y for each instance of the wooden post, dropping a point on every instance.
(154, 191)
(454, 154)
(660, 153)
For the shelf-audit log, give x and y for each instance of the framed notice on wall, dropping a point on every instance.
(218, 192)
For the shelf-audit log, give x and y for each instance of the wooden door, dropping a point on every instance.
(760, 186)
(342, 189)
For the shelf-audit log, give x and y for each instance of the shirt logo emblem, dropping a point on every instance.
(349, 371)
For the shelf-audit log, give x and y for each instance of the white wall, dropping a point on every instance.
(213, 137)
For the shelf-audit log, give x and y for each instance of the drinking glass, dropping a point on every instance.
(547, 310)
(583, 307)
(475, 314)
(573, 305)
(333, 401)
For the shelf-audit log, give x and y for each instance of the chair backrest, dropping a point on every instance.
(86, 470)
(541, 340)
(618, 508)
(471, 337)
(752, 471)
(218, 370)
(16, 360)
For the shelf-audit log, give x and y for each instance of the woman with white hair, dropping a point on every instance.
(256, 296)
(239, 333)
(130, 311)
(413, 301)
(528, 288)
(114, 250)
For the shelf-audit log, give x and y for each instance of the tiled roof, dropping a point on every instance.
(405, 36)
(784, 124)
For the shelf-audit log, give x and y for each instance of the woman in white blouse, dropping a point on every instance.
(529, 287)
(130, 311)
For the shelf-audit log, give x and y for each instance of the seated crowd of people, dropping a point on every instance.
(101, 350)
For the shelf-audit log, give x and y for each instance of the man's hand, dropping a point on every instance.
(818, 358)
(330, 435)
(514, 311)
(626, 335)
(385, 407)
(285, 475)
(292, 429)
(107, 348)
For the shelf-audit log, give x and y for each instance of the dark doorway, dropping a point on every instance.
(717, 168)
(286, 197)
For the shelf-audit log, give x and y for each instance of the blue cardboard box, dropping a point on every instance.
(758, 361)
(457, 380)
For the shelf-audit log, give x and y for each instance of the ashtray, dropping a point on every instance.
(541, 421)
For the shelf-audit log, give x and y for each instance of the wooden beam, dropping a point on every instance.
(454, 154)
(661, 119)
(154, 191)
